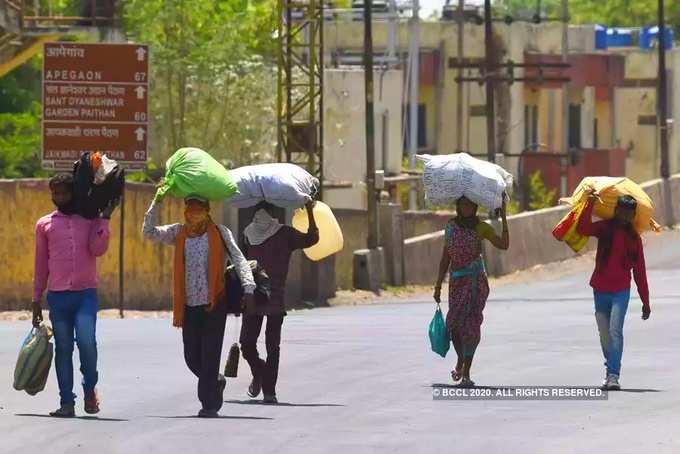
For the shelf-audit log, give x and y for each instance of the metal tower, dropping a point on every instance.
(300, 84)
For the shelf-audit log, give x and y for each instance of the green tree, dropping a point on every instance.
(527, 8)
(539, 195)
(621, 13)
(21, 88)
(624, 13)
(213, 76)
(20, 144)
(20, 122)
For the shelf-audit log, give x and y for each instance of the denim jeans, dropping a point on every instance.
(74, 318)
(610, 313)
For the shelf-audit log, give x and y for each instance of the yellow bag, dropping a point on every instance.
(608, 191)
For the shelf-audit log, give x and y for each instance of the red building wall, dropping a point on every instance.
(603, 162)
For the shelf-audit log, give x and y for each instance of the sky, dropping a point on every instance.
(427, 7)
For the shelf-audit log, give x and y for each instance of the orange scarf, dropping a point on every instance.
(216, 257)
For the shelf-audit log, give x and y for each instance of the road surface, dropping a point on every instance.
(360, 380)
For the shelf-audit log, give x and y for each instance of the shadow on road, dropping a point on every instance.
(280, 404)
(85, 418)
(218, 417)
(630, 390)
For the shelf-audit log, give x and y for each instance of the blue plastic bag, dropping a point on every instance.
(439, 336)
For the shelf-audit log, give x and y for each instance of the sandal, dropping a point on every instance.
(456, 375)
(467, 383)
(65, 411)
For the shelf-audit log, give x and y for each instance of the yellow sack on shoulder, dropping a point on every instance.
(608, 191)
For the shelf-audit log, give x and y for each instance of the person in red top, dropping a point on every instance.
(619, 250)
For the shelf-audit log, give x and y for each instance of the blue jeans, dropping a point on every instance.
(610, 312)
(74, 317)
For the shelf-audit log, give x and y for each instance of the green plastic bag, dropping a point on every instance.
(439, 336)
(192, 171)
(35, 360)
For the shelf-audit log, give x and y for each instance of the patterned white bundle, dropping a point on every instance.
(447, 178)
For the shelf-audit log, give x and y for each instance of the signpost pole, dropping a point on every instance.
(121, 254)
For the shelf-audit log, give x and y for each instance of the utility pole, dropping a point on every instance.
(370, 126)
(392, 34)
(565, 100)
(662, 95)
(490, 99)
(413, 96)
(459, 91)
(662, 118)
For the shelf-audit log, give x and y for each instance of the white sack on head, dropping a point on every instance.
(447, 178)
(281, 184)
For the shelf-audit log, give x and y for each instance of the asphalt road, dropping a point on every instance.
(360, 379)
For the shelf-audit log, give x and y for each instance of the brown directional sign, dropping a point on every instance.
(95, 98)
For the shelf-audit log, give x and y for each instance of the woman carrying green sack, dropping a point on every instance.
(468, 284)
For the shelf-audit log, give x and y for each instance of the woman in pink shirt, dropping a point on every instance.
(66, 251)
(619, 250)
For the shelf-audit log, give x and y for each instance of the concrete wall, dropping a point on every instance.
(674, 87)
(531, 240)
(421, 258)
(531, 243)
(353, 224)
(675, 189)
(666, 200)
(418, 223)
(148, 266)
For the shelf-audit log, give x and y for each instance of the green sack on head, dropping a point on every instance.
(35, 360)
(439, 336)
(192, 171)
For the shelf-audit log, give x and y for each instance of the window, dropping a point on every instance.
(574, 125)
(422, 126)
(530, 127)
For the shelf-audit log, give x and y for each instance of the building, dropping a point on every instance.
(612, 97)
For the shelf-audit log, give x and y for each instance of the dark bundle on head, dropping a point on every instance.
(65, 180)
(626, 202)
